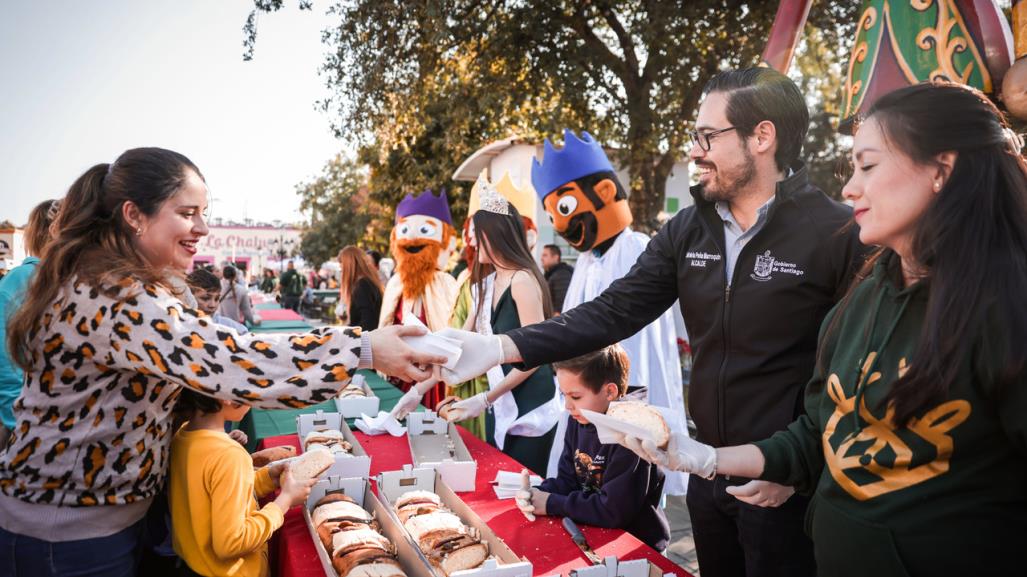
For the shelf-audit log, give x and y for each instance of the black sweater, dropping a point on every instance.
(365, 305)
(607, 486)
(559, 278)
(755, 341)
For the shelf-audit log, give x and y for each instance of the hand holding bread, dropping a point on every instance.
(681, 454)
(468, 408)
(295, 490)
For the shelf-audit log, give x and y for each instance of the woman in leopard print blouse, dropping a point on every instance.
(107, 345)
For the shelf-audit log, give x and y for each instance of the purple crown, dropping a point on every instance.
(427, 204)
(579, 157)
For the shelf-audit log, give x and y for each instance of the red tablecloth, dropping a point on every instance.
(279, 315)
(543, 542)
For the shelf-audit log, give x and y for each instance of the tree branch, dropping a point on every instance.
(627, 44)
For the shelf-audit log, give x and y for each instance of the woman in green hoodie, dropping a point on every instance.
(914, 441)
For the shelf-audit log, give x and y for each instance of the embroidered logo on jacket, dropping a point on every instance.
(766, 265)
(880, 458)
(698, 259)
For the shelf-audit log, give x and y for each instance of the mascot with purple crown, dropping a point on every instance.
(419, 289)
(589, 208)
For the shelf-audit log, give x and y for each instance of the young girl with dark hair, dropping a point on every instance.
(510, 292)
(107, 346)
(914, 442)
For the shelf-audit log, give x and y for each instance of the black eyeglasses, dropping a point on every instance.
(702, 139)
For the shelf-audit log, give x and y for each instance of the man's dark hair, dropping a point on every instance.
(229, 273)
(758, 94)
(588, 182)
(203, 279)
(595, 369)
(554, 249)
(375, 256)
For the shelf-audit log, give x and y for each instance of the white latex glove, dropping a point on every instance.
(468, 408)
(762, 493)
(407, 404)
(683, 454)
(411, 399)
(479, 354)
(523, 499)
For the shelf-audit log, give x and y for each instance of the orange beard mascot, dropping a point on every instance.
(423, 232)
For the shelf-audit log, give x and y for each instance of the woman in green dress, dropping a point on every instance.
(522, 406)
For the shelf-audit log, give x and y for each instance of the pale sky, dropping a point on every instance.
(80, 82)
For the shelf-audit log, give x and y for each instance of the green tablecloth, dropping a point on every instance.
(261, 423)
(281, 327)
(267, 306)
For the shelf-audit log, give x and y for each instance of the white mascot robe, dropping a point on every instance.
(655, 363)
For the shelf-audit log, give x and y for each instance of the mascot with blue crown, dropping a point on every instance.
(589, 208)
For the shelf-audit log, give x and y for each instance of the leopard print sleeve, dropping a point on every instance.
(156, 335)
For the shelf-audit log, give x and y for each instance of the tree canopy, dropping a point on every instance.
(341, 212)
(421, 84)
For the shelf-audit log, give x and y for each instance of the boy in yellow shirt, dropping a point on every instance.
(216, 526)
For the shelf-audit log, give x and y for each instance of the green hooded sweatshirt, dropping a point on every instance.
(945, 495)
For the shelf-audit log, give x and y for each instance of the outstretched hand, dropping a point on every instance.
(479, 354)
(682, 454)
(392, 356)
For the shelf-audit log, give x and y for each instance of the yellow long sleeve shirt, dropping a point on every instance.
(216, 525)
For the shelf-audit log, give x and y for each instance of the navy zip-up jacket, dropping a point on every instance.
(607, 486)
(754, 341)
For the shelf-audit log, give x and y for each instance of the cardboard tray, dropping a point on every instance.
(503, 562)
(360, 491)
(352, 408)
(358, 465)
(436, 444)
(612, 567)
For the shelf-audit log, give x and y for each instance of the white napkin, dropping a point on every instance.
(507, 483)
(433, 344)
(383, 423)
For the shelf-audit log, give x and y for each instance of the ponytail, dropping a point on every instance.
(91, 241)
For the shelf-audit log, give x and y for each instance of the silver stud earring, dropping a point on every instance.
(937, 185)
(139, 231)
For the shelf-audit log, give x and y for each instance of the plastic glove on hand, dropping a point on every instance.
(407, 404)
(479, 354)
(468, 408)
(523, 499)
(683, 454)
(762, 493)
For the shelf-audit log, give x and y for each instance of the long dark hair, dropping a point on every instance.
(507, 244)
(355, 264)
(93, 242)
(971, 240)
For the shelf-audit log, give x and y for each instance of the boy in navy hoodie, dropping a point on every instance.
(601, 485)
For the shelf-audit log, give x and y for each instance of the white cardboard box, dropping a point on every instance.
(612, 567)
(502, 561)
(436, 444)
(359, 490)
(353, 407)
(357, 465)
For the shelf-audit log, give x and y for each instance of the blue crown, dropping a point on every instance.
(579, 157)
